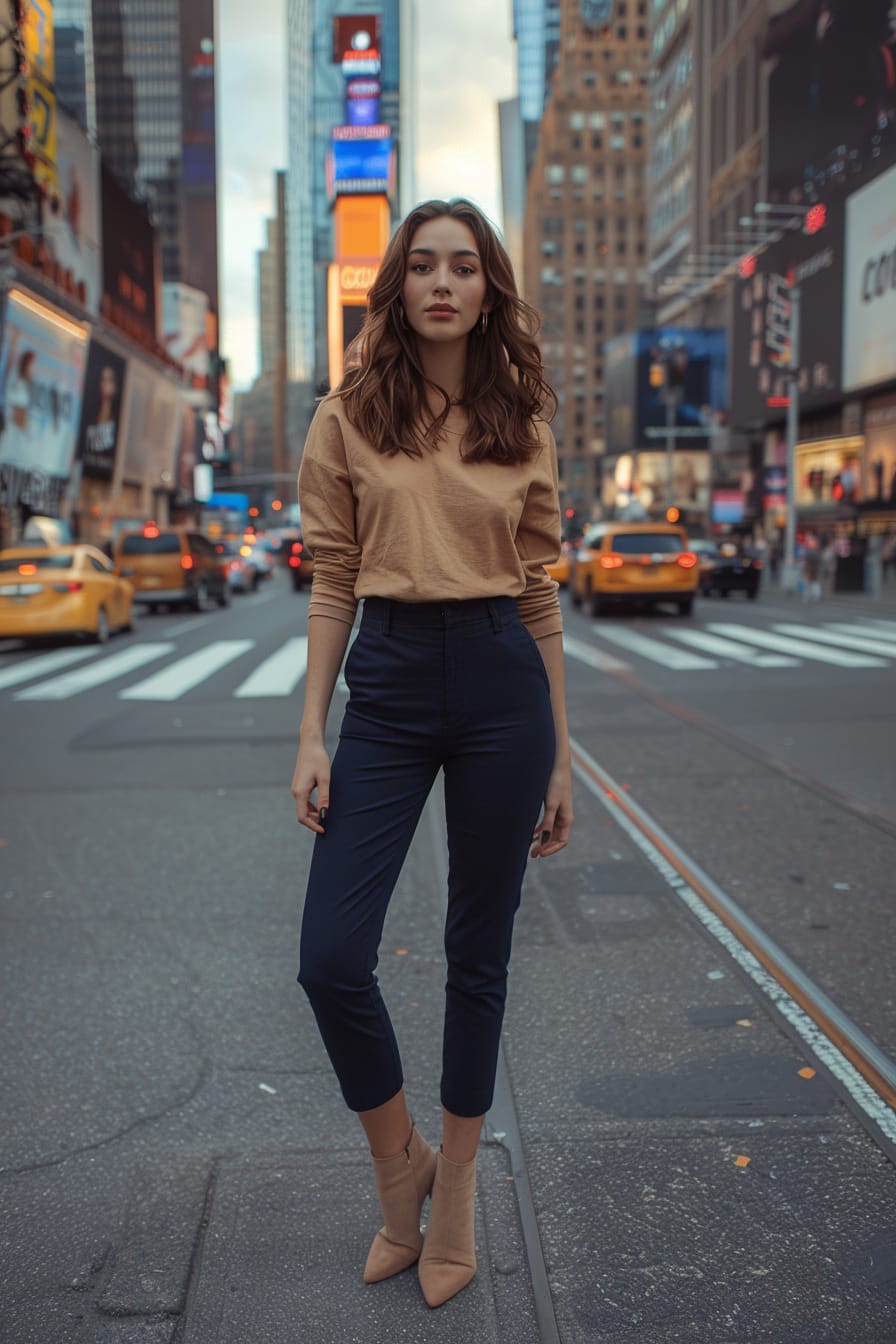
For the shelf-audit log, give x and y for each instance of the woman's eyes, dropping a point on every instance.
(421, 267)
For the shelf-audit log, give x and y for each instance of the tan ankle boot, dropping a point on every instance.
(402, 1183)
(448, 1261)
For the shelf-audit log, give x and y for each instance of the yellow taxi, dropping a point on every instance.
(172, 565)
(648, 563)
(559, 569)
(61, 590)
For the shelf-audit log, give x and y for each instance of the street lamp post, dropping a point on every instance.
(793, 428)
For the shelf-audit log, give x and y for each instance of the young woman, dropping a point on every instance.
(428, 488)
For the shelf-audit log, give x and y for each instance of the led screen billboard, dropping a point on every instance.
(72, 219)
(760, 328)
(832, 96)
(130, 267)
(362, 164)
(633, 406)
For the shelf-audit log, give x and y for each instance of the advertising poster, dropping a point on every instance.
(41, 375)
(644, 476)
(832, 96)
(760, 325)
(130, 269)
(100, 431)
(184, 324)
(151, 416)
(879, 485)
(869, 287)
(37, 32)
(72, 219)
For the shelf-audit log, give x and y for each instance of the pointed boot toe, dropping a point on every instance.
(402, 1183)
(448, 1261)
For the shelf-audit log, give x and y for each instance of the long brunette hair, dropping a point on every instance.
(504, 384)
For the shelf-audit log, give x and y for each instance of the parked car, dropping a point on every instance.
(645, 562)
(62, 590)
(172, 565)
(301, 564)
(260, 560)
(731, 567)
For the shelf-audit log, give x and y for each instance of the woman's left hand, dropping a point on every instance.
(552, 832)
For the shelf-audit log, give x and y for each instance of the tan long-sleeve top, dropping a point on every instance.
(427, 529)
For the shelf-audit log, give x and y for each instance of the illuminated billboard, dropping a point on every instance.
(37, 32)
(355, 32)
(361, 161)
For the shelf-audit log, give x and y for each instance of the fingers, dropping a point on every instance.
(552, 833)
(307, 813)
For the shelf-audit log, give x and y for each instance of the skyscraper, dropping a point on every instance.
(584, 243)
(140, 74)
(317, 94)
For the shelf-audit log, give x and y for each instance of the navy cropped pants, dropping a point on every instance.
(459, 687)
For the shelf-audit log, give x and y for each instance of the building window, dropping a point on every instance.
(579, 173)
(577, 121)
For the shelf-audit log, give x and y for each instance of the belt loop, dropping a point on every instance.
(387, 616)
(495, 615)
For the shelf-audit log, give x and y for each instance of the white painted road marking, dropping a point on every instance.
(866, 643)
(105, 669)
(278, 675)
(664, 654)
(179, 677)
(800, 648)
(585, 653)
(39, 667)
(729, 648)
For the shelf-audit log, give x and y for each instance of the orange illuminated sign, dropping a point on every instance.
(355, 281)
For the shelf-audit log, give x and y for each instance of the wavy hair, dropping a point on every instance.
(505, 391)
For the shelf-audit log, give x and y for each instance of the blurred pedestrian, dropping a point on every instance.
(811, 570)
(888, 556)
(428, 488)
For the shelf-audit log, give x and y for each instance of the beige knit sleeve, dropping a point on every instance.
(327, 503)
(538, 543)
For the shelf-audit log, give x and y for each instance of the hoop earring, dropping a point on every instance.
(483, 322)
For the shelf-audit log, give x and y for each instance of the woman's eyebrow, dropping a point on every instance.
(429, 252)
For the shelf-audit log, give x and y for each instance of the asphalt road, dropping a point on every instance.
(673, 1155)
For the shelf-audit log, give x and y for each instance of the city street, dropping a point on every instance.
(676, 1152)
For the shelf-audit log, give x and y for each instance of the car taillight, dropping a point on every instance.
(295, 561)
(186, 562)
(611, 561)
(72, 586)
(297, 548)
(687, 560)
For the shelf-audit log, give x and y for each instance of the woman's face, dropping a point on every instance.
(108, 384)
(445, 284)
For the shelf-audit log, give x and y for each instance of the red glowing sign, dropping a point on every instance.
(816, 218)
(747, 267)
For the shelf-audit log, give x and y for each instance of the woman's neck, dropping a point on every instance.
(445, 366)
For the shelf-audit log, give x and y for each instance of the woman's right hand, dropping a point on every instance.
(312, 772)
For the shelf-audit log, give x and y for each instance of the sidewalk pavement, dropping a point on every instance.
(689, 1186)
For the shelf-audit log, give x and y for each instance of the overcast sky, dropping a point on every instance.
(465, 65)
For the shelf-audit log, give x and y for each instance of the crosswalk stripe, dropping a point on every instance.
(85, 678)
(801, 648)
(278, 675)
(865, 643)
(729, 648)
(38, 667)
(584, 653)
(677, 659)
(181, 676)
